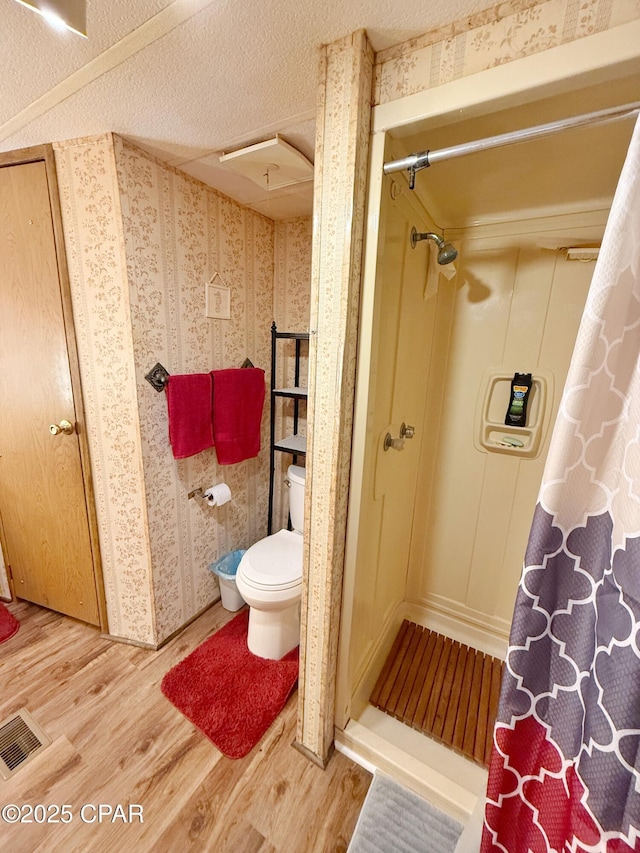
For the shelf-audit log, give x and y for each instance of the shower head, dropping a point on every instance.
(446, 252)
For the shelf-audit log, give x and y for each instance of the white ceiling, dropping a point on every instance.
(191, 79)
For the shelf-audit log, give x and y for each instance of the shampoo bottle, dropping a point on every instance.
(520, 391)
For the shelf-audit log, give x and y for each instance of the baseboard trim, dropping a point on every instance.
(312, 757)
(129, 642)
(154, 647)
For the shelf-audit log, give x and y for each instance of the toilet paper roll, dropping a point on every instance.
(218, 495)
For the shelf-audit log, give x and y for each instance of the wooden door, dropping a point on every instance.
(43, 500)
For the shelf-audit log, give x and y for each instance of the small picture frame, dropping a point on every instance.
(217, 298)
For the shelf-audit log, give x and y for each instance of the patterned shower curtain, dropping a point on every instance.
(565, 770)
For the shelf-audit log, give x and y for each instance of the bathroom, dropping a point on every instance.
(156, 543)
(154, 537)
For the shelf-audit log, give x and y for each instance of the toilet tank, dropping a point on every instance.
(296, 475)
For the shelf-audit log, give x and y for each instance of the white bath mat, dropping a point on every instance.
(395, 820)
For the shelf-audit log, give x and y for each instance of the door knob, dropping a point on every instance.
(64, 426)
(407, 431)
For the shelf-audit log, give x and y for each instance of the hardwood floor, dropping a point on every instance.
(117, 740)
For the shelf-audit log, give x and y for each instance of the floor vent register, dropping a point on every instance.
(20, 739)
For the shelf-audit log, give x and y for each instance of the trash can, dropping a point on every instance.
(225, 568)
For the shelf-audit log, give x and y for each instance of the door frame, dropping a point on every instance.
(45, 154)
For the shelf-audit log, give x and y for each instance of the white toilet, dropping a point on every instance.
(269, 578)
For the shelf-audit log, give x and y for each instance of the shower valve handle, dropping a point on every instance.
(393, 443)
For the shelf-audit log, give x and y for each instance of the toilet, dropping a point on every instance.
(269, 578)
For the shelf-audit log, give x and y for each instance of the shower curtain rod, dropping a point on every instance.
(423, 159)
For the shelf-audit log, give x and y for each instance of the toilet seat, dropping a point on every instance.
(273, 563)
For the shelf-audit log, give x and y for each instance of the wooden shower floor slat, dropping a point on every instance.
(442, 688)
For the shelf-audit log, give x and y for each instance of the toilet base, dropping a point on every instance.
(273, 633)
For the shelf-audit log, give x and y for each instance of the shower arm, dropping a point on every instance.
(416, 236)
(423, 159)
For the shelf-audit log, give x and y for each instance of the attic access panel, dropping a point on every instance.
(272, 164)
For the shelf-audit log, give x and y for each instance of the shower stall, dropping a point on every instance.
(442, 489)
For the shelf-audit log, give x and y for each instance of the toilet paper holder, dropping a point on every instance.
(214, 496)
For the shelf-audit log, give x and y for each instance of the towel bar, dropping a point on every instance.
(158, 374)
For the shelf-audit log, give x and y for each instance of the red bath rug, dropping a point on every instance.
(8, 624)
(230, 694)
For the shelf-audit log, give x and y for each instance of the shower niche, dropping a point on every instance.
(492, 435)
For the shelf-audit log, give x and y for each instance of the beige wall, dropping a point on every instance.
(142, 239)
(402, 329)
(506, 32)
(509, 309)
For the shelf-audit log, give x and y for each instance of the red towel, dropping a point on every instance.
(189, 403)
(238, 397)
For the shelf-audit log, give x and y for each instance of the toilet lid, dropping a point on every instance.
(274, 562)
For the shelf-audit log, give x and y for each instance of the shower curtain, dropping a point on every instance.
(565, 769)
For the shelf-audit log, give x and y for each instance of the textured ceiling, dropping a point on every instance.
(191, 78)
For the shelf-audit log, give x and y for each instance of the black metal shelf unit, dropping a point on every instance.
(295, 444)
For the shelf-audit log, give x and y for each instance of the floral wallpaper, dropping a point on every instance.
(142, 240)
(342, 147)
(92, 223)
(292, 282)
(178, 233)
(507, 31)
